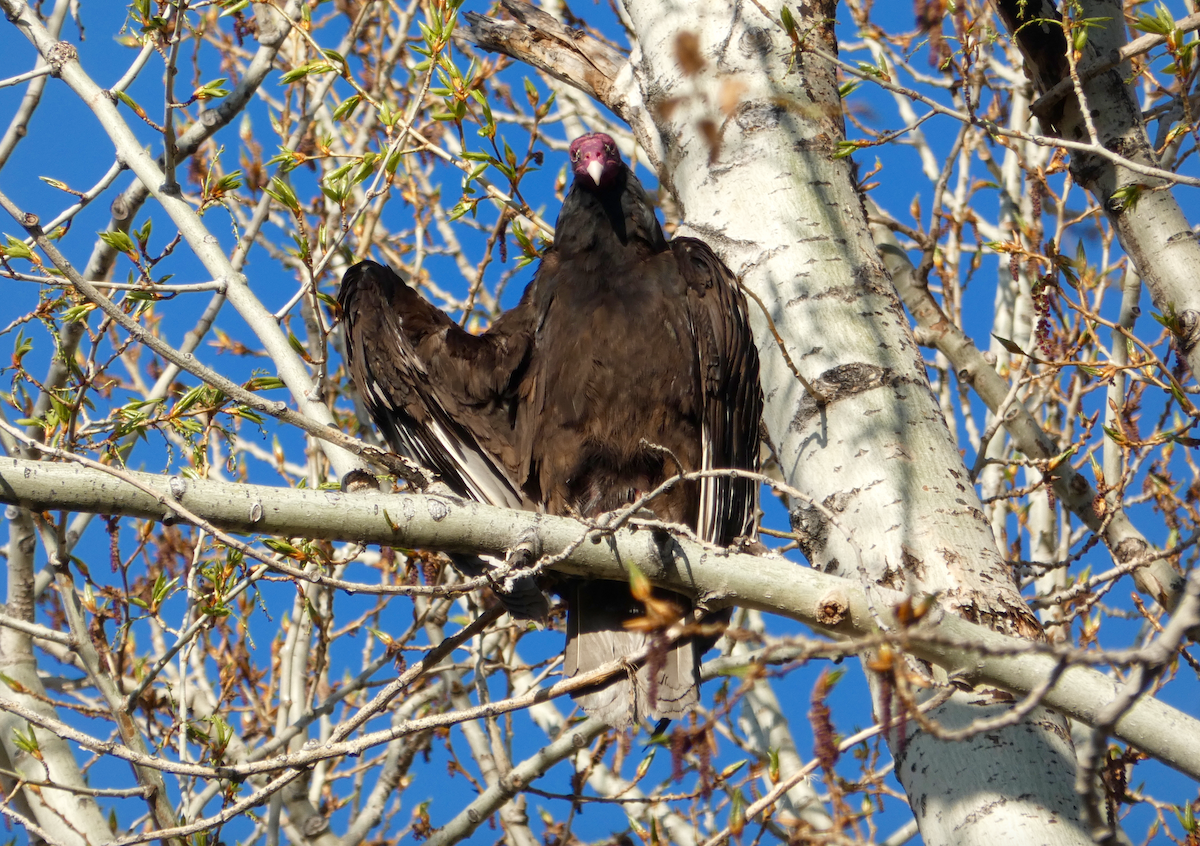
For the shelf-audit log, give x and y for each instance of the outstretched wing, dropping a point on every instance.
(443, 397)
(732, 397)
(439, 394)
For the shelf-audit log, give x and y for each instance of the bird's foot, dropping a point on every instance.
(513, 582)
(522, 556)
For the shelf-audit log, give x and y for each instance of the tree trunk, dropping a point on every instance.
(748, 136)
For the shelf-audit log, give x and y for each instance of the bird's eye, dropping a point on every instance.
(610, 149)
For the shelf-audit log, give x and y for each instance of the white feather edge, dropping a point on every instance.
(487, 482)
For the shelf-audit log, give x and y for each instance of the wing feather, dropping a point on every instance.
(731, 394)
(439, 394)
(443, 397)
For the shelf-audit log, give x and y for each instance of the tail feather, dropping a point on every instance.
(665, 686)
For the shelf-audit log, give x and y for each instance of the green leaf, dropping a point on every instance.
(365, 169)
(1079, 37)
(229, 182)
(346, 108)
(789, 23)
(1011, 346)
(118, 240)
(281, 546)
(55, 183)
(16, 249)
(163, 588)
(303, 251)
(335, 189)
(21, 348)
(297, 345)
(1125, 198)
(732, 768)
(1161, 24)
(282, 193)
(393, 162)
(264, 383)
(639, 585)
(131, 103)
(143, 234)
(27, 742)
(229, 7)
(190, 398)
(314, 67)
(845, 148)
(737, 814)
(1186, 817)
(214, 90)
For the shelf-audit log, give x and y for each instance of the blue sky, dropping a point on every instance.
(67, 144)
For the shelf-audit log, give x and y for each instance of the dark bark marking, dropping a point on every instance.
(812, 531)
(756, 116)
(893, 578)
(842, 382)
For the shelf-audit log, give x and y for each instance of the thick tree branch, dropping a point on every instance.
(568, 55)
(1155, 578)
(538, 39)
(970, 653)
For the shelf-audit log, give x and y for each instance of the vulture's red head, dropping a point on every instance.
(595, 160)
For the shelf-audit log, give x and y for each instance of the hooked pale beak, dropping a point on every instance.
(594, 169)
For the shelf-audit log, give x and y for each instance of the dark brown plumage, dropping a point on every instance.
(443, 397)
(628, 359)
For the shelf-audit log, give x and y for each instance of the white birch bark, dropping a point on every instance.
(784, 214)
(69, 815)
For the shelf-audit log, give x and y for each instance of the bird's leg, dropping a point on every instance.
(517, 590)
(523, 555)
(511, 580)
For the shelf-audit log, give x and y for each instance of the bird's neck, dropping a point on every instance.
(618, 217)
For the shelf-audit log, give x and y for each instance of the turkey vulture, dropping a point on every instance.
(628, 359)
